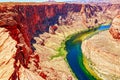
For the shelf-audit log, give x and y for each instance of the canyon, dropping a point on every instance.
(31, 35)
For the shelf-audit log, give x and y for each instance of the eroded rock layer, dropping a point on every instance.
(102, 51)
(21, 22)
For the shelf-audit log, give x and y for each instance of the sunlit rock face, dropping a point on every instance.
(25, 25)
(115, 27)
(102, 52)
(10, 64)
(6, 54)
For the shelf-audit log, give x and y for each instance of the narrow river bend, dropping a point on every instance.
(75, 56)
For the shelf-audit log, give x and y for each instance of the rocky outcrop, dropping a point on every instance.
(115, 27)
(7, 53)
(102, 53)
(23, 22)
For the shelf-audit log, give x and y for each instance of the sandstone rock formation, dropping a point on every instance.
(20, 24)
(115, 27)
(102, 52)
(6, 62)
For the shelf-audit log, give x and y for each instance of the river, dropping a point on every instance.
(75, 56)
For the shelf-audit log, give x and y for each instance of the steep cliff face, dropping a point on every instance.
(22, 22)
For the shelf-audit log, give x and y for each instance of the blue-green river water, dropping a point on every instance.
(74, 56)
